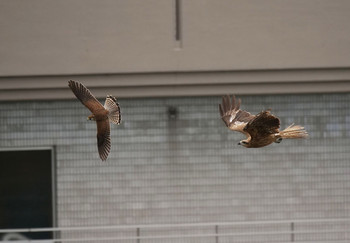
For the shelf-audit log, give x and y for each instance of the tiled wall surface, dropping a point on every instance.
(189, 169)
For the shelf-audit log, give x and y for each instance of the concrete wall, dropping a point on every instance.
(107, 43)
(190, 169)
(93, 36)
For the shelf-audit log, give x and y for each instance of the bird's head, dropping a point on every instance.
(91, 118)
(244, 143)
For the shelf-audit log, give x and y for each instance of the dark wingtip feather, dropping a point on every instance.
(233, 103)
(238, 104)
(72, 83)
(226, 103)
(221, 111)
(104, 146)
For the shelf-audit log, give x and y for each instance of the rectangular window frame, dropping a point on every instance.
(52, 150)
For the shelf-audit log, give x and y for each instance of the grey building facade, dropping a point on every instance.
(187, 167)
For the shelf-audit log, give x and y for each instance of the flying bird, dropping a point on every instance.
(102, 114)
(261, 129)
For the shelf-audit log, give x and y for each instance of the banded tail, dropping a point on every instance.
(293, 131)
(113, 108)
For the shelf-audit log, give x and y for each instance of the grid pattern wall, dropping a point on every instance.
(189, 168)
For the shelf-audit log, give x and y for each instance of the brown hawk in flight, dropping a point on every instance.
(103, 115)
(261, 129)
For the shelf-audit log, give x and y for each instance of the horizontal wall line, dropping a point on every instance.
(179, 84)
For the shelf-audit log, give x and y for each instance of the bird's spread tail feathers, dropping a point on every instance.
(293, 131)
(113, 108)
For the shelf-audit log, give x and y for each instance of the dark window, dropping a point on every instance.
(26, 191)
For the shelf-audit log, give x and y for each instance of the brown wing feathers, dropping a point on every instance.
(103, 138)
(230, 112)
(264, 123)
(101, 115)
(228, 109)
(85, 96)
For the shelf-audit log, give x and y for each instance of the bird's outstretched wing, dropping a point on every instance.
(103, 138)
(234, 118)
(262, 125)
(85, 96)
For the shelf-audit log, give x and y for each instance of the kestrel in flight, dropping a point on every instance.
(103, 115)
(261, 129)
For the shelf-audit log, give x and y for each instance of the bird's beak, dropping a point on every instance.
(239, 143)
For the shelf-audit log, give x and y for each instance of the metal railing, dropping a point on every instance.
(291, 229)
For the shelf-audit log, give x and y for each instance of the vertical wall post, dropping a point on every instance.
(138, 235)
(178, 24)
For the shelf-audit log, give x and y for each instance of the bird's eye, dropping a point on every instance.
(243, 142)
